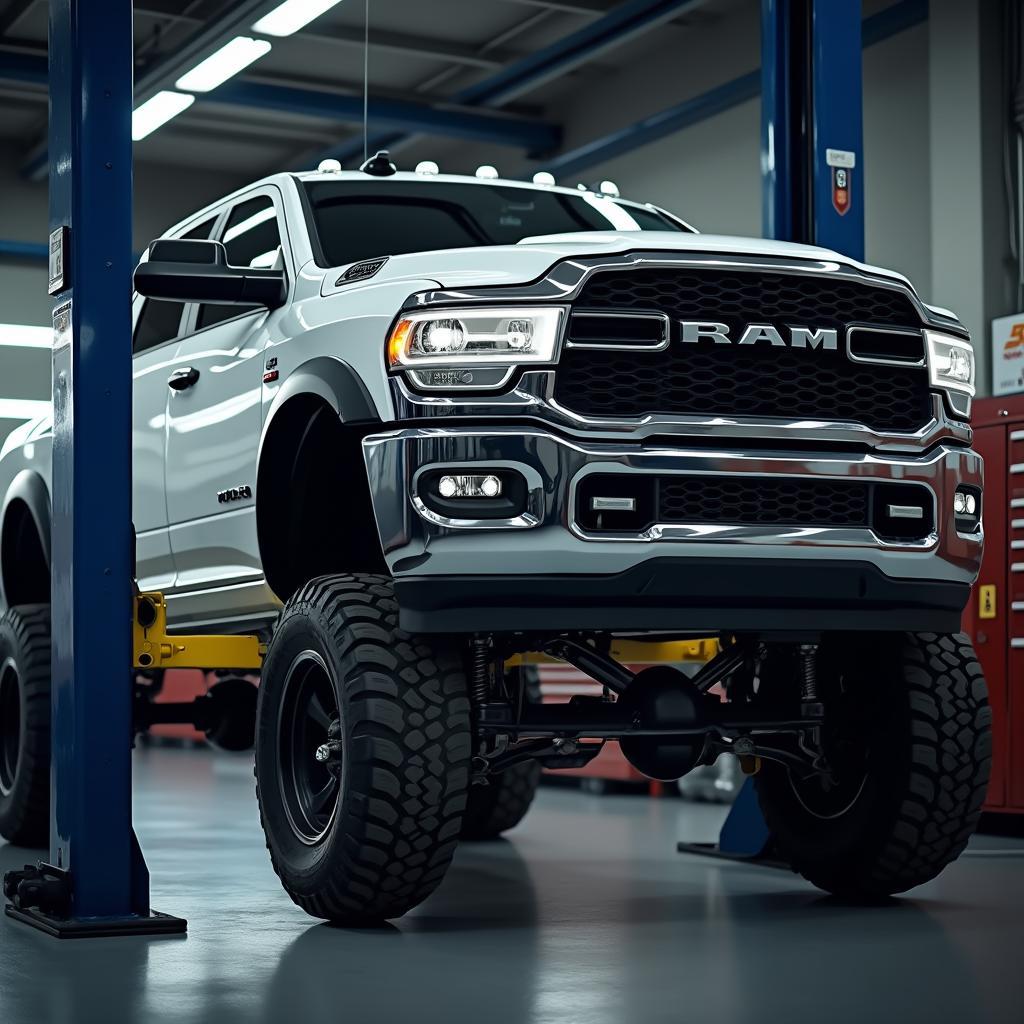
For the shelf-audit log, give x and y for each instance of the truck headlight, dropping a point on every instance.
(950, 362)
(476, 337)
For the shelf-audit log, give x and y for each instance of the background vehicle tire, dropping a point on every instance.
(370, 834)
(504, 801)
(908, 728)
(25, 725)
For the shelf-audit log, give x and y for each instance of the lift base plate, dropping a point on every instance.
(155, 924)
(714, 850)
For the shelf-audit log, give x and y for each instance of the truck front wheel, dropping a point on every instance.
(363, 747)
(907, 737)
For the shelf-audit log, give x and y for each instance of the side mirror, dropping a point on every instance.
(194, 270)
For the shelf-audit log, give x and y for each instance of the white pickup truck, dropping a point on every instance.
(411, 426)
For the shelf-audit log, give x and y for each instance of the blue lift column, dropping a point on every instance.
(812, 171)
(96, 882)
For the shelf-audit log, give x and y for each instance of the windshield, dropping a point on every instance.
(359, 220)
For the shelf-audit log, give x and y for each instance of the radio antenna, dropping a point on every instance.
(366, 82)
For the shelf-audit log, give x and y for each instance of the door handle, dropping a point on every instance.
(182, 379)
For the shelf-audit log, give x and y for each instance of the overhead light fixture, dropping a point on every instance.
(25, 336)
(223, 64)
(292, 15)
(157, 111)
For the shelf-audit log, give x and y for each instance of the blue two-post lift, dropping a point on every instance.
(812, 173)
(95, 882)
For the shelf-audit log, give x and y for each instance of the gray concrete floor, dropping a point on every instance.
(587, 914)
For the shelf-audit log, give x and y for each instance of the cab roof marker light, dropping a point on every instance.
(487, 172)
(157, 111)
(544, 178)
(292, 15)
(222, 64)
(329, 166)
(427, 167)
(609, 188)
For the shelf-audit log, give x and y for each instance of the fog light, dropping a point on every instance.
(469, 487)
(965, 503)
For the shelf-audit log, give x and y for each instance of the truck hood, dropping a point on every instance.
(530, 259)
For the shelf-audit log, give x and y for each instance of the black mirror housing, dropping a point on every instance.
(195, 270)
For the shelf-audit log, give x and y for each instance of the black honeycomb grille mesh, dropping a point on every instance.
(754, 381)
(763, 501)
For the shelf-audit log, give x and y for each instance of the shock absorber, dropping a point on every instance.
(809, 672)
(479, 670)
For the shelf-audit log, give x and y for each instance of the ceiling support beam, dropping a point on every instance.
(393, 114)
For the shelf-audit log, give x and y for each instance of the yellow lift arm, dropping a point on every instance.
(155, 648)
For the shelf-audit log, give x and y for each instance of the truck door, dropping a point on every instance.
(214, 419)
(154, 341)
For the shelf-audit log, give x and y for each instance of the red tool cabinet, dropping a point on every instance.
(994, 618)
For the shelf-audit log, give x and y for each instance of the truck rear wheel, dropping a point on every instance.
(502, 803)
(362, 753)
(25, 725)
(907, 732)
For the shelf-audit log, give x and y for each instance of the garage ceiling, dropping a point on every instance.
(438, 70)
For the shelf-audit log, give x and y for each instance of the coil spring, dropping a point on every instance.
(479, 670)
(808, 672)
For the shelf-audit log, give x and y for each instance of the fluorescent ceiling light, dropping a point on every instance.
(292, 15)
(24, 336)
(23, 408)
(222, 64)
(157, 111)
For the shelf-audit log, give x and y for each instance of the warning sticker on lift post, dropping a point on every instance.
(987, 601)
(841, 162)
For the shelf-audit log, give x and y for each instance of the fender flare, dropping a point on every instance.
(28, 486)
(332, 380)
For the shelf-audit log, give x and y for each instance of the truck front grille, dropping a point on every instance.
(708, 379)
(722, 500)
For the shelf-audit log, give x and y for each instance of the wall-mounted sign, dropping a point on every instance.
(841, 162)
(59, 279)
(1008, 354)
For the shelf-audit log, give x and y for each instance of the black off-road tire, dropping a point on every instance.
(25, 725)
(403, 725)
(927, 729)
(503, 802)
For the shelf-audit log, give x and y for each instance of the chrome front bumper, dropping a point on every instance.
(669, 572)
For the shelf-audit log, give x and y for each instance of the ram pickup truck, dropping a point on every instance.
(416, 427)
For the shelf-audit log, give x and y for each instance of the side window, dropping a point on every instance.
(160, 321)
(251, 237)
